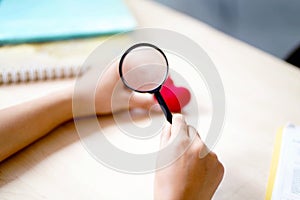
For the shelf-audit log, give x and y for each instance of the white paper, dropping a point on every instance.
(287, 181)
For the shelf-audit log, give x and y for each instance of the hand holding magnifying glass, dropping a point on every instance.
(144, 68)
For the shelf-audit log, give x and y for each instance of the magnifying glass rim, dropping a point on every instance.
(128, 51)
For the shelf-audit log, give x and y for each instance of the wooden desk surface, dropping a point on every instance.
(262, 93)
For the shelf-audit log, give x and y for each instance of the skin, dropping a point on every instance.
(188, 178)
(52, 110)
(196, 174)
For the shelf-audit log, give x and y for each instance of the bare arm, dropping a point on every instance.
(22, 124)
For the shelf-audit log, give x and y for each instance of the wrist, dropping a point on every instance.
(66, 102)
(62, 102)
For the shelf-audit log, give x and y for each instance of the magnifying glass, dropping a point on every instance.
(144, 68)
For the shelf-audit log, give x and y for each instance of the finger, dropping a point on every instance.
(145, 101)
(193, 133)
(198, 145)
(113, 71)
(204, 151)
(165, 135)
(212, 160)
(179, 126)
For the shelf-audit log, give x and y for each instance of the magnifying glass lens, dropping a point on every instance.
(144, 69)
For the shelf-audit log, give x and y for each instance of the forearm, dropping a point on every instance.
(22, 124)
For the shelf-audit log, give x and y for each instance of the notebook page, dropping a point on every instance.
(287, 181)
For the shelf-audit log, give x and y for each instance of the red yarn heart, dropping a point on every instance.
(175, 97)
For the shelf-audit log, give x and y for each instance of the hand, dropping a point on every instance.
(125, 98)
(189, 177)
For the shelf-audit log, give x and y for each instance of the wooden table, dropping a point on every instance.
(262, 94)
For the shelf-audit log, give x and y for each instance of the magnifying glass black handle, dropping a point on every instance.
(163, 106)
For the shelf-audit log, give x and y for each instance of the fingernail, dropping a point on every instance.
(156, 108)
(204, 152)
(179, 116)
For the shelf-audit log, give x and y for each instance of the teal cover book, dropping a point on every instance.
(44, 20)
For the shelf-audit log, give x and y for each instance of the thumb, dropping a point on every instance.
(145, 101)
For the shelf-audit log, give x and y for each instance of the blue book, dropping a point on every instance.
(45, 20)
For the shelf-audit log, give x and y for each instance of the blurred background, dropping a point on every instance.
(270, 25)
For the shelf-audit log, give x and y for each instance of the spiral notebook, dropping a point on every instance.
(25, 74)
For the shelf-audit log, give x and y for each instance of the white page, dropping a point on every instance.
(287, 181)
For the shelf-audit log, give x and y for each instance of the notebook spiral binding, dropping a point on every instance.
(26, 74)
